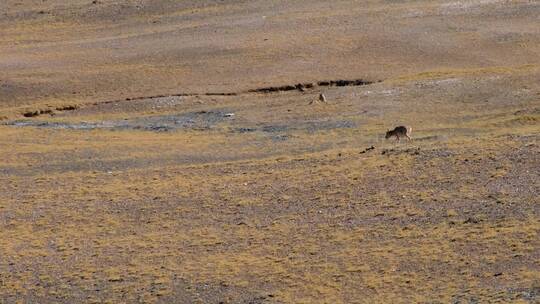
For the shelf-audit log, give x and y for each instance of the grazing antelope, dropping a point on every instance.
(398, 132)
(322, 99)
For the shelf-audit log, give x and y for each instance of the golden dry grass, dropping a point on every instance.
(126, 215)
(283, 202)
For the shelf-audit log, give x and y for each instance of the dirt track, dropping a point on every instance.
(163, 152)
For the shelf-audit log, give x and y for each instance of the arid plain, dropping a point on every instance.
(176, 152)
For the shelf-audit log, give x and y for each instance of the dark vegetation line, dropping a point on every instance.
(50, 111)
(305, 86)
(173, 95)
(37, 113)
(302, 87)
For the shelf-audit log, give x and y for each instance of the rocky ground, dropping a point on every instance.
(164, 152)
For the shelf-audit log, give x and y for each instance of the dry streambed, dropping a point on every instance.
(203, 120)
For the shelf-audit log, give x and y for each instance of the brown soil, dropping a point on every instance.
(176, 151)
